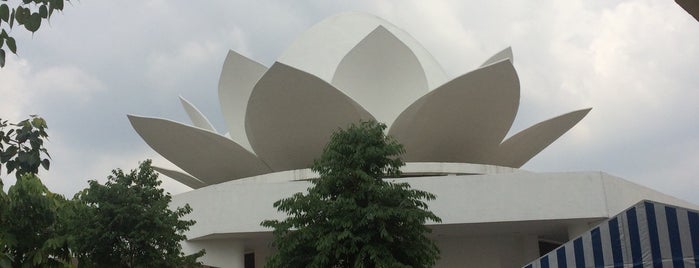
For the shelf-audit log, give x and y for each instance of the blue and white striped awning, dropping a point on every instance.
(649, 234)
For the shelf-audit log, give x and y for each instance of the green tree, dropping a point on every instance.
(27, 13)
(352, 216)
(29, 210)
(127, 223)
(30, 232)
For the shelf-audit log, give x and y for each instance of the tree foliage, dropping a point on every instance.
(127, 223)
(124, 223)
(352, 216)
(27, 13)
(31, 234)
(22, 146)
(28, 212)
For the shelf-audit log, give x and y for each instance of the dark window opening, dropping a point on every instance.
(250, 260)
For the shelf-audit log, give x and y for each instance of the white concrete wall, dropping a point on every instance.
(498, 251)
(234, 207)
(487, 251)
(524, 205)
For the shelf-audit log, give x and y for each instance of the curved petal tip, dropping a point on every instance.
(181, 177)
(208, 156)
(198, 119)
(523, 146)
(500, 56)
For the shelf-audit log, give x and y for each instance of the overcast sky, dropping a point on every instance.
(636, 63)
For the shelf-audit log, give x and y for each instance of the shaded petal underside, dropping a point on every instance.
(198, 119)
(520, 148)
(181, 177)
(382, 74)
(291, 115)
(238, 78)
(209, 157)
(464, 120)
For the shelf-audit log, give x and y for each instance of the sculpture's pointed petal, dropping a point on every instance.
(291, 115)
(205, 155)
(464, 120)
(181, 177)
(520, 148)
(382, 74)
(500, 56)
(237, 80)
(320, 49)
(198, 119)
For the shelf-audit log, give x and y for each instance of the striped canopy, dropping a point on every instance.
(649, 234)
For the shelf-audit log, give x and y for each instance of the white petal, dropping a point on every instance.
(320, 49)
(291, 115)
(520, 148)
(181, 177)
(382, 74)
(205, 155)
(237, 80)
(198, 119)
(462, 121)
(500, 56)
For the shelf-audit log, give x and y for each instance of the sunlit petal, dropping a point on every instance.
(320, 49)
(238, 78)
(382, 74)
(291, 115)
(198, 119)
(464, 120)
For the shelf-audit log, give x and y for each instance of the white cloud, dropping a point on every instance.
(24, 88)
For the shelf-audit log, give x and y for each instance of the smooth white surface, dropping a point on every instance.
(281, 118)
(320, 49)
(382, 74)
(500, 251)
(291, 115)
(518, 149)
(238, 77)
(232, 207)
(207, 156)
(488, 220)
(198, 119)
(463, 120)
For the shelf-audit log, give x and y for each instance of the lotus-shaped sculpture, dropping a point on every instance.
(348, 68)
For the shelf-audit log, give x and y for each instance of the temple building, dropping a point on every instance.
(353, 67)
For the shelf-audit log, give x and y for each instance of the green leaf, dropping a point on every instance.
(11, 44)
(33, 23)
(12, 18)
(21, 15)
(4, 12)
(2, 57)
(45, 163)
(44, 12)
